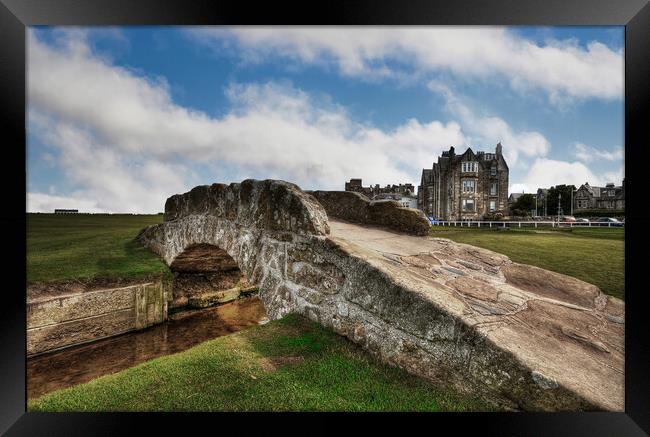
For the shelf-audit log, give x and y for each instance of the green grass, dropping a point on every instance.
(325, 372)
(590, 254)
(61, 247)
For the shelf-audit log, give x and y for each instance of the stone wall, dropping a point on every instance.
(357, 208)
(57, 322)
(439, 330)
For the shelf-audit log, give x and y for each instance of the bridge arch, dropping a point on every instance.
(253, 223)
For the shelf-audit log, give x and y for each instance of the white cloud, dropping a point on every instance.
(126, 146)
(122, 140)
(492, 129)
(545, 173)
(563, 69)
(588, 154)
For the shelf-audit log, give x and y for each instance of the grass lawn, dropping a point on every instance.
(80, 246)
(591, 254)
(291, 364)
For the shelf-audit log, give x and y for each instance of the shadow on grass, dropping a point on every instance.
(333, 373)
(133, 261)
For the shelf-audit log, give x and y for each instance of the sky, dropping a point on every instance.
(121, 118)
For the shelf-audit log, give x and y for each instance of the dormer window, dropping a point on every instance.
(489, 156)
(469, 167)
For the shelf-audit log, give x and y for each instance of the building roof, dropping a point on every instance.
(514, 196)
(426, 176)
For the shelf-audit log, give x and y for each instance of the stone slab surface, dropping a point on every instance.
(567, 331)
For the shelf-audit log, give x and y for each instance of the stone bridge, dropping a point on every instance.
(520, 336)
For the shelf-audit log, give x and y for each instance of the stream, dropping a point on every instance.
(76, 365)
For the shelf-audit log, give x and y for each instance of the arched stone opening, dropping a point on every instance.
(206, 275)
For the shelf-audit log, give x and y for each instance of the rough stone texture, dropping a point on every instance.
(79, 331)
(270, 205)
(357, 208)
(205, 300)
(57, 322)
(449, 312)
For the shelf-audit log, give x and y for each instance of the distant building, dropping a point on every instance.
(607, 197)
(466, 186)
(404, 200)
(372, 191)
(66, 211)
(515, 196)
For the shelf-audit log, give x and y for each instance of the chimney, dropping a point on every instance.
(499, 148)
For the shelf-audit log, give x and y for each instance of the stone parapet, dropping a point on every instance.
(357, 208)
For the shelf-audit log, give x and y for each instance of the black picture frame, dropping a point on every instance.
(15, 15)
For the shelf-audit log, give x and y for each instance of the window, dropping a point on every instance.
(469, 167)
(468, 204)
(493, 205)
(493, 171)
(493, 188)
(610, 193)
(469, 186)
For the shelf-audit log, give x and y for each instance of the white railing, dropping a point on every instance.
(525, 223)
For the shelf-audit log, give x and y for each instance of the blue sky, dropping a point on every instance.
(121, 118)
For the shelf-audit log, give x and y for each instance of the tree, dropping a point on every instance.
(565, 202)
(523, 205)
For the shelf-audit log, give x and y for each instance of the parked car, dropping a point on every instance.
(567, 218)
(611, 220)
(582, 220)
(608, 220)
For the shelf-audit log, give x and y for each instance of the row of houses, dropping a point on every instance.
(587, 197)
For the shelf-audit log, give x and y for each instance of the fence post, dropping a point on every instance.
(535, 225)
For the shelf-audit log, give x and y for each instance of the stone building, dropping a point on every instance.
(607, 197)
(467, 186)
(371, 192)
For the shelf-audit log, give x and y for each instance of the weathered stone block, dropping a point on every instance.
(213, 298)
(61, 309)
(79, 331)
(357, 208)
(325, 278)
